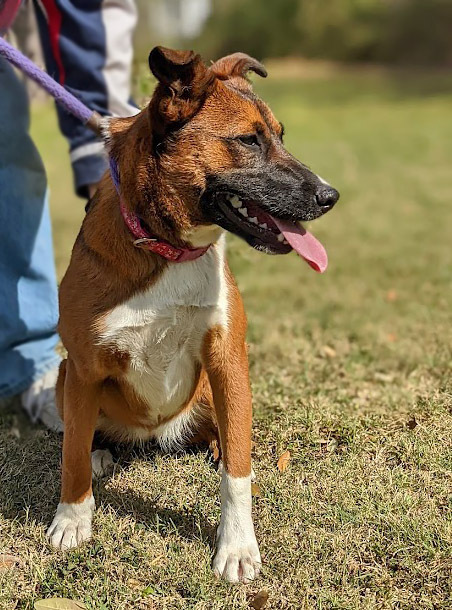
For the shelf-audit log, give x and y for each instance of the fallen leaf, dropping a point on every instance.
(255, 490)
(260, 600)
(328, 351)
(283, 461)
(391, 296)
(411, 423)
(391, 337)
(58, 603)
(8, 561)
(215, 451)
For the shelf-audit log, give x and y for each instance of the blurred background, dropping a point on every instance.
(410, 32)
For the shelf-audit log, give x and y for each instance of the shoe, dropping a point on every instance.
(39, 401)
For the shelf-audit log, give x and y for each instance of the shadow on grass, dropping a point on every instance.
(30, 479)
(148, 513)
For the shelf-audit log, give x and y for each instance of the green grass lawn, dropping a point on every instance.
(350, 373)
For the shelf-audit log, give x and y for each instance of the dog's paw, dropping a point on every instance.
(72, 524)
(101, 463)
(237, 558)
(237, 563)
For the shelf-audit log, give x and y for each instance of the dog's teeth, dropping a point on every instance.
(235, 201)
(263, 225)
(243, 211)
(253, 220)
(286, 242)
(281, 237)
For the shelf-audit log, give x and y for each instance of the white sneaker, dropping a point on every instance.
(39, 401)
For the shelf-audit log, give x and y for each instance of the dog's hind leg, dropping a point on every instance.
(101, 463)
(72, 522)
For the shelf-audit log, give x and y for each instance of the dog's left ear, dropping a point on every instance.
(184, 82)
(237, 64)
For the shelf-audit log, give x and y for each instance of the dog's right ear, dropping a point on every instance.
(237, 64)
(184, 82)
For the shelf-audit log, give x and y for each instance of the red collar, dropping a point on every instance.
(146, 242)
(143, 239)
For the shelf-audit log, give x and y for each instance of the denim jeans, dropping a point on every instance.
(28, 290)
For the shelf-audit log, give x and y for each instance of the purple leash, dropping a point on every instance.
(65, 99)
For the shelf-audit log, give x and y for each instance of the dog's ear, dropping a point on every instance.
(175, 69)
(184, 82)
(237, 64)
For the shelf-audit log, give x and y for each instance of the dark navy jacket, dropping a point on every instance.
(87, 48)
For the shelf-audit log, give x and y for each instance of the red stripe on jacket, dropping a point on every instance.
(54, 19)
(8, 11)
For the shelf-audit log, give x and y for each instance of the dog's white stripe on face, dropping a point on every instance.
(72, 524)
(237, 557)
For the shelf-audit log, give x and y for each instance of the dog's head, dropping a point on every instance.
(214, 157)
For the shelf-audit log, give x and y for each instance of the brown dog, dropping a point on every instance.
(151, 316)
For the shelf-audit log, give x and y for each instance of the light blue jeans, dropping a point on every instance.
(28, 290)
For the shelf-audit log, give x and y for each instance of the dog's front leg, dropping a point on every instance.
(72, 522)
(237, 556)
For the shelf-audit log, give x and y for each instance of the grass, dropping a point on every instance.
(350, 373)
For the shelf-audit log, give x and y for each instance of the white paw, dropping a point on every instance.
(237, 561)
(72, 524)
(101, 463)
(237, 558)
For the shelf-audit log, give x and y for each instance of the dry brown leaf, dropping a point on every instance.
(8, 561)
(391, 296)
(283, 461)
(391, 337)
(255, 490)
(260, 600)
(329, 352)
(215, 451)
(58, 603)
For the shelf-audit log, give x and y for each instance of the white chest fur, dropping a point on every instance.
(163, 328)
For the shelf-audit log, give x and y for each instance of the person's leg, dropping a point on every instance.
(28, 292)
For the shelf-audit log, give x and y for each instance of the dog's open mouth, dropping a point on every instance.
(270, 234)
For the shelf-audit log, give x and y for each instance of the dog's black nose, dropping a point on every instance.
(326, 196)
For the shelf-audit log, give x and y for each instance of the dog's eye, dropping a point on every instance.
(250, 140)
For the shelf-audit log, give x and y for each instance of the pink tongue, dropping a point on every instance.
(304, 244)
